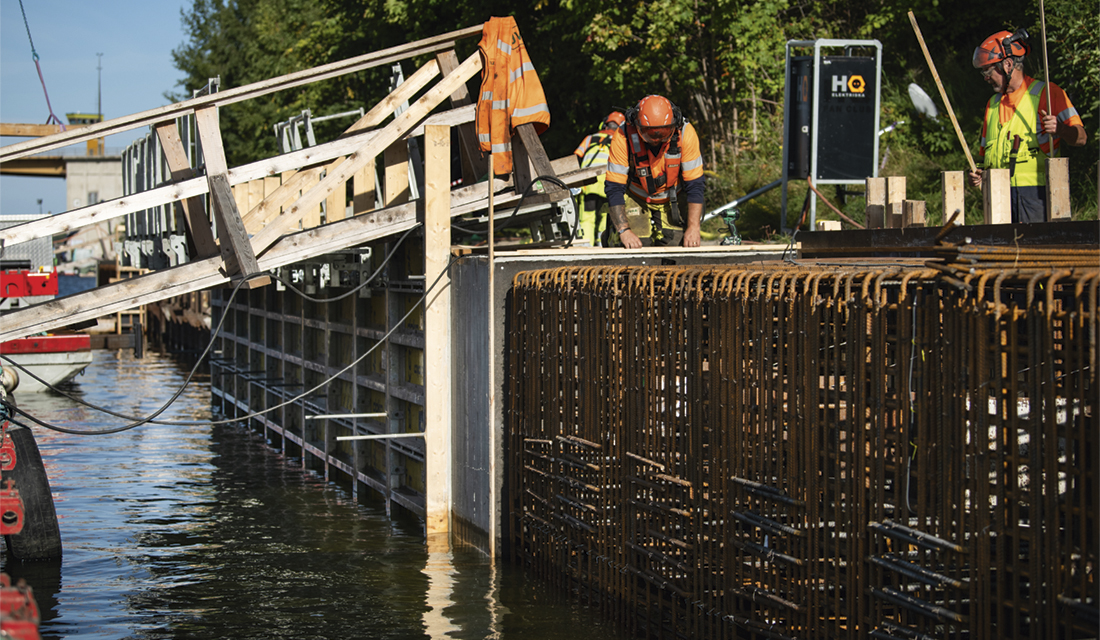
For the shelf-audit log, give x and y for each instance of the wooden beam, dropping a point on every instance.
(1058, 207)
(395, 177)
(437, 329)
(996, 198)
(954, 189)
(20, 130)
(267, 210)
(912, 214)
(474, 162)
(403, 93)
(236, 250)
(194, 213)
(44, 166)
(529, 156)
(238, 94)
(875, 210)
(393, 132)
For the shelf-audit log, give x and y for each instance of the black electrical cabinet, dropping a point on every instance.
(831, 114)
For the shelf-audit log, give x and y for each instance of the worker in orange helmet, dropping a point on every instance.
(655, 158)
(593, 151)
(1018, 133)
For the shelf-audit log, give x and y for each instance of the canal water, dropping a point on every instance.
(205, 532)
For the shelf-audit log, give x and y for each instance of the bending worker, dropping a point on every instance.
(1017, 132)
(593, 151)
(653, 157)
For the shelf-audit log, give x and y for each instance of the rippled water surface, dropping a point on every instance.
(205, 532)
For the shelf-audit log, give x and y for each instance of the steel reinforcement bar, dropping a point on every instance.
(813, 452)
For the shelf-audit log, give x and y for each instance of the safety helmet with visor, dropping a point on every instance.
(656, 119)
(999, 46)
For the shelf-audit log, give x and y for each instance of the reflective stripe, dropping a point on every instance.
(518, 73)
(505, 47)
(530, 111)
(501, 148)
(692, 164)
(1066, 114)
(483, 137)
(500, 105)
(487, 95)
(636, 190)
(1037, 88)
(616, 168)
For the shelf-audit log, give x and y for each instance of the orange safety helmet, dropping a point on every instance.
(999, 46)
(656, 119)
(614, 120)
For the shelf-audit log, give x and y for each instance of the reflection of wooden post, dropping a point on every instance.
(1058, 189)
(953, 190)
(876, 203)
(437, 323)
(996, 198)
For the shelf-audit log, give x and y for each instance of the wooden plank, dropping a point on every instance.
(21, 130)
(1058, 207)
(255, 193)
(529, 159)
(394, 131)
(403, 93)
(437, 329)
(238, 94)
(954, 189)
(194, 212)
(312, 215)
(395, 177)
(233, 241)
(996, 197)
(289, 190)
(912, 214)
(474, 162)
(895, 213)
(875, 211)
(363, 194)
(336, 204)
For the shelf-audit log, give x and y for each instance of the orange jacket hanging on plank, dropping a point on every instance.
(511, 93)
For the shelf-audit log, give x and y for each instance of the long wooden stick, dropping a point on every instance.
(1046, 75)
(943, 94)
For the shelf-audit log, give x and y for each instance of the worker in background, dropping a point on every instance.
(593, 151)
(655, 158)
(1017, 132)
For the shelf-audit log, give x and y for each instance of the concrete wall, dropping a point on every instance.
(86, 176)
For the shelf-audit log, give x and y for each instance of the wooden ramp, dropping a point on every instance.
(285, 226)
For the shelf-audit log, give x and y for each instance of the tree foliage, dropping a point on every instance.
(721, 61)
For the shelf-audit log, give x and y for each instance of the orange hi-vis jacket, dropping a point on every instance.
(650, 176)
(511, 93)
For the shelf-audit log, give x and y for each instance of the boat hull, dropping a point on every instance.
(54, 359)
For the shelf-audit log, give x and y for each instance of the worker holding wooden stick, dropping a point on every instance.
(1019, 132)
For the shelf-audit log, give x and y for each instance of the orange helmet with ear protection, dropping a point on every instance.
(656, 119)
(999, 46)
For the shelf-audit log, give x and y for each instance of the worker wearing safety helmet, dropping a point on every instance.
(655, 158)
(1018, 133)
(593, 151)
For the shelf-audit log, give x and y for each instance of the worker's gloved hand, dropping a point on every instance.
(630, 240)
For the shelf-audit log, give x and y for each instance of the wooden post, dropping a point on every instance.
(363, 194)
(895, 214)
(194, 213)
(236, 249)
(912, 214)
(996, 197)
(875, 211)
(336, 204)
(954, 188)
(1058, 207)
(828, 225)
(895, 189)
(437, 329)
(396, 175)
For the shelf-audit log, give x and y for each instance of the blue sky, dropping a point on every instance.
(136, 39)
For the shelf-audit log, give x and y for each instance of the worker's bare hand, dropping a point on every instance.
(630, 239)
(1048, 124)
(692, 237)
(975, 178)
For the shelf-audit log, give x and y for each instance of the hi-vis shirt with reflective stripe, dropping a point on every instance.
(650, 187)
(1022, 119)
(511, 93)
(597, 151)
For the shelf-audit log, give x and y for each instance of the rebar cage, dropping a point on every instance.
(780, 451)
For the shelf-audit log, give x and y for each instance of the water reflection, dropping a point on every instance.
(205, 532)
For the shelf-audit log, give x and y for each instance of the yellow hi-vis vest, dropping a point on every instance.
(1030, 166)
